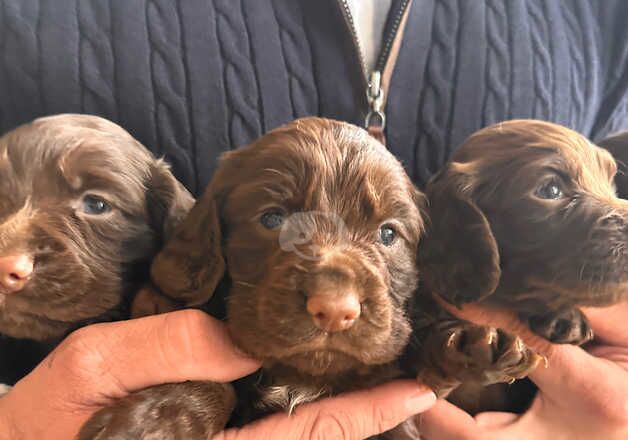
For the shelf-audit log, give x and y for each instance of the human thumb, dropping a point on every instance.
(354, 415)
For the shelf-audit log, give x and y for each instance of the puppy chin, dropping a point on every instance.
(38, 328)
(321, 362)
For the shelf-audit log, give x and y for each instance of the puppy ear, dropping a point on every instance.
(167, 200)
(191, 264)
(617, 145)
(459, 258)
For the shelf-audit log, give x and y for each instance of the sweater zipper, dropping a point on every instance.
(375, 120)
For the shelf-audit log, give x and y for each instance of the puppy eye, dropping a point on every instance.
(271, 219)
(387, 235)
(550, 191)
(94, 205)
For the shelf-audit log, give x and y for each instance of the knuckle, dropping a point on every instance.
(610, 405)
(330, 425)
(383, 419)
(79, 352)
(195, 321)
(615, 410)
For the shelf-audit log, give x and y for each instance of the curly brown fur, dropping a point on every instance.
(335, 187)
(543, 231)
(85, 265)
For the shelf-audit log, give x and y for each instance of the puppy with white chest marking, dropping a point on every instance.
(83, 209)
(525, 217)
(310, 236)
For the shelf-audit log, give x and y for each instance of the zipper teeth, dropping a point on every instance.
(346, 11)
(383, 56)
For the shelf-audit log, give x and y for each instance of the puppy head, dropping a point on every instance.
(527, 208)
(82, 206)
(320, 226)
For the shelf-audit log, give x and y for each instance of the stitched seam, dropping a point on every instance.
(114, 84)
(224, 78)
(313, 65)
(283, 56)
(158, 147)
(543, 74)
(496, 50)
(188, 97)
(260, 103)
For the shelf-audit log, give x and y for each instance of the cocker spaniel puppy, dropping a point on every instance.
(310, 236)
(525, 217)
(83, 209)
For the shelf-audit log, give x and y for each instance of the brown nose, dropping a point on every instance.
(334, 313)
(15, 270)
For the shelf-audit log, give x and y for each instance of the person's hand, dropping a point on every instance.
(582, 394)
(102, 362)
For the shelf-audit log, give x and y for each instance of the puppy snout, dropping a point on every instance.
(334, 312)
(15, 271)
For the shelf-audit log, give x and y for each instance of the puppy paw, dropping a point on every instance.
(469, 353)
(189, 410)
(567, 327)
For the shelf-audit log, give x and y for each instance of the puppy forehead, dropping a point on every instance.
(75, 147)
(539, 143)
(332, 165)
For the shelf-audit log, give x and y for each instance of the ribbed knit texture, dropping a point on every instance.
(194, 78)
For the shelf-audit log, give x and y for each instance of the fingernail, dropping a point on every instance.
(422, 400)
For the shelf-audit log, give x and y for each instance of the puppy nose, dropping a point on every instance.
(334, 313)
(15, 270)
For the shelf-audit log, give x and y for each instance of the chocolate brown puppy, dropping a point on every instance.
(83, 209)
(525, 217)
(312, 232)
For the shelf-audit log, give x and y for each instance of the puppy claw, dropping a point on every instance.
(452, 339)
(479, 354)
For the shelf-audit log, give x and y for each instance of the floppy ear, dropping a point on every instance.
(459, 258)
(617, 145)
(168, 202)
(191, 264)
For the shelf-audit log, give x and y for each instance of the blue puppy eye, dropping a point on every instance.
(271, 219)
(94, 205)
(387, 235)
(550, 191)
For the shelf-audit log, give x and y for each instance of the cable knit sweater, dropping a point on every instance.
(193, 78)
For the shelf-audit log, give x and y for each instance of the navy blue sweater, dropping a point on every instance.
(193, 78)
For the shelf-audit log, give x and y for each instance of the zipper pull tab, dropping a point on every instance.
(375, 120)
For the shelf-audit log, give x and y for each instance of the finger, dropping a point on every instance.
(577, 381)
(135, 354)
(607, 323)
(570, 374)
(445, 421)
(492, 420)
(355, 415)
